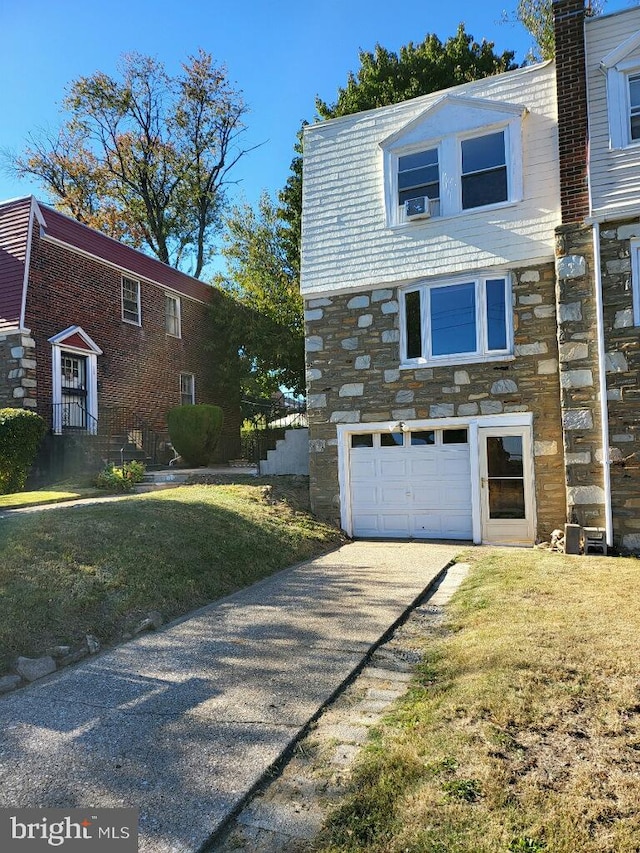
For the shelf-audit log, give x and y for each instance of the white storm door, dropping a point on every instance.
(506, 485)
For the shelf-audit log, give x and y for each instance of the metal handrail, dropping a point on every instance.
(73, 417)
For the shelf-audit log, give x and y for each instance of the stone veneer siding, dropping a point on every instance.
(622, 354)
(18, 384)
(579, 378)
(353, 377)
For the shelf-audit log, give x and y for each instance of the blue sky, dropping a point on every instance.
(279, 53)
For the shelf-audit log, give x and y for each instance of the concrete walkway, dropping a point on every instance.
(184, 723)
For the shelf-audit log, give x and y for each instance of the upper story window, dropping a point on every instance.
(635, 279)
(461, 154)
(419, 177)
(187, 389)
(634, 106)
(484, 170)
(172, 315)
(131, 300)
(622, 67)
(455, 322)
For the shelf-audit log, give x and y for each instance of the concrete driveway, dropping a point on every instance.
(184, 723)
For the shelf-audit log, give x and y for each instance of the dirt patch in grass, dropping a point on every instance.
(522, 731)
(99, 569)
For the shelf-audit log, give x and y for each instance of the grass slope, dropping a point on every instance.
(522, 730)
(98, 569)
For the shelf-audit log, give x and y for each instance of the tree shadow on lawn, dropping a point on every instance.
(184, 722)
(99, 569)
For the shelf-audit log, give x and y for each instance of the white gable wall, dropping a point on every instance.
(346, 242)
(613, 171)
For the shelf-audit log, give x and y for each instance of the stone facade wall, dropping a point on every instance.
(579, 377)
(353, 377)
(18, 384)
(622, 361)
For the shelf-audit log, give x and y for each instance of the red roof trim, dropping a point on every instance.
(78, 237)
(77, 341)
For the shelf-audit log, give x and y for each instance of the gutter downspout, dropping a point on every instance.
(602, 377)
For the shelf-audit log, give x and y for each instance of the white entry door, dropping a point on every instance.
(506, 480)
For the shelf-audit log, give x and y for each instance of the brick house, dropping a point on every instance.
(428, 274)
(598, 248)
(98, 337)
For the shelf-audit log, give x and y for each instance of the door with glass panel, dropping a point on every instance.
(74, 391)
(506, 485)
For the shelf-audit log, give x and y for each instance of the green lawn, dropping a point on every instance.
(43, 496)
(521, 732)
(98, 569)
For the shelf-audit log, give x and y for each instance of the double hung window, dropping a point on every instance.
(131, 300)
(187, 389)
(453, 322)
(484, 170)
(634, 107)
(460, 173)
(419, 176)
(172, 315)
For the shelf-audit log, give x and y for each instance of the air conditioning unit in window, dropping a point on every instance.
(417, 208)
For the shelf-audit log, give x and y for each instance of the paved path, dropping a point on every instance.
(184, 723)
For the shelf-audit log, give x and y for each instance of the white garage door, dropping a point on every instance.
(411, 485)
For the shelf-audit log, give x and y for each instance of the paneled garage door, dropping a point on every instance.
(411, 484)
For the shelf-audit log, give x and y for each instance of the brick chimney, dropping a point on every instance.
(573, 130)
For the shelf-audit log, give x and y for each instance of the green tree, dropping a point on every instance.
(262, 275)
(145, 158)
(385, 77)
(537, 17)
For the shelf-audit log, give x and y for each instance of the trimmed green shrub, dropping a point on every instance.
(21, 432)
(194, 431)
(114, 478)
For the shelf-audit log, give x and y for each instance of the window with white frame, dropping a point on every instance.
(457, 321)
(635, 280)
(460, 173)
(484, 170)
(622, 67)
(131, 300)
(187, 389)
(419, 177)
(172, 315)
(634, 106)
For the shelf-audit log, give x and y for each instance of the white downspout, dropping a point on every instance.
(602, 374)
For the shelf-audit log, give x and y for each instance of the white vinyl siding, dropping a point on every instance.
(614, 158)
(347, 243)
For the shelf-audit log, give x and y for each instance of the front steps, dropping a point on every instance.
(291, 454)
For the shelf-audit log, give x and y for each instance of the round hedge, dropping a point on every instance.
(194, 431)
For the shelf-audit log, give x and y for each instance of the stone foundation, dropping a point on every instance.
(18, 383)
(622, 346)
(579, 378)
